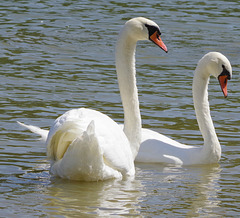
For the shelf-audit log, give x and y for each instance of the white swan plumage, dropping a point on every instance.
(84, 144)
(157, 148)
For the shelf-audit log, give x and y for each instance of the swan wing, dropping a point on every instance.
(84, 160)
(78, 130)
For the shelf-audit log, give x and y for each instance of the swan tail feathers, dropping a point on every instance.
(41, 132)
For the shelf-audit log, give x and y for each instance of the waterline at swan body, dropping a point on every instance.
(84, 144)
(157, 148)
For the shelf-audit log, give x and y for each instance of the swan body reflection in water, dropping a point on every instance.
(156, 189)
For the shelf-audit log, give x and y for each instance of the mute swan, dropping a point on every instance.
(157, 148)
(84, 144)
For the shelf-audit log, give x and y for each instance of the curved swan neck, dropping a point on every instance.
(212, 148)
(126, 73)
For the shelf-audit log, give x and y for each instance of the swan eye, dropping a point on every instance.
(225, 72)
(152, 30)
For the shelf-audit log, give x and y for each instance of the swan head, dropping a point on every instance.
(141, 28)
(218, 65)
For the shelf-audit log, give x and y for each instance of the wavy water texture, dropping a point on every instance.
(58, 55)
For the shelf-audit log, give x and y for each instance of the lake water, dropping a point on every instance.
(57, 55)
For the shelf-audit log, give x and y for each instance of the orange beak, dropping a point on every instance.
(223, 83)
(158, 41)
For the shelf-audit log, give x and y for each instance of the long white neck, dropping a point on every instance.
(126, 73)
(211, 149)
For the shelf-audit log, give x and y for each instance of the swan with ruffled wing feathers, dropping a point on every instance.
(84, 144)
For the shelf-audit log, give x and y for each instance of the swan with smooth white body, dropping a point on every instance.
(157, 148)
(84, 144)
